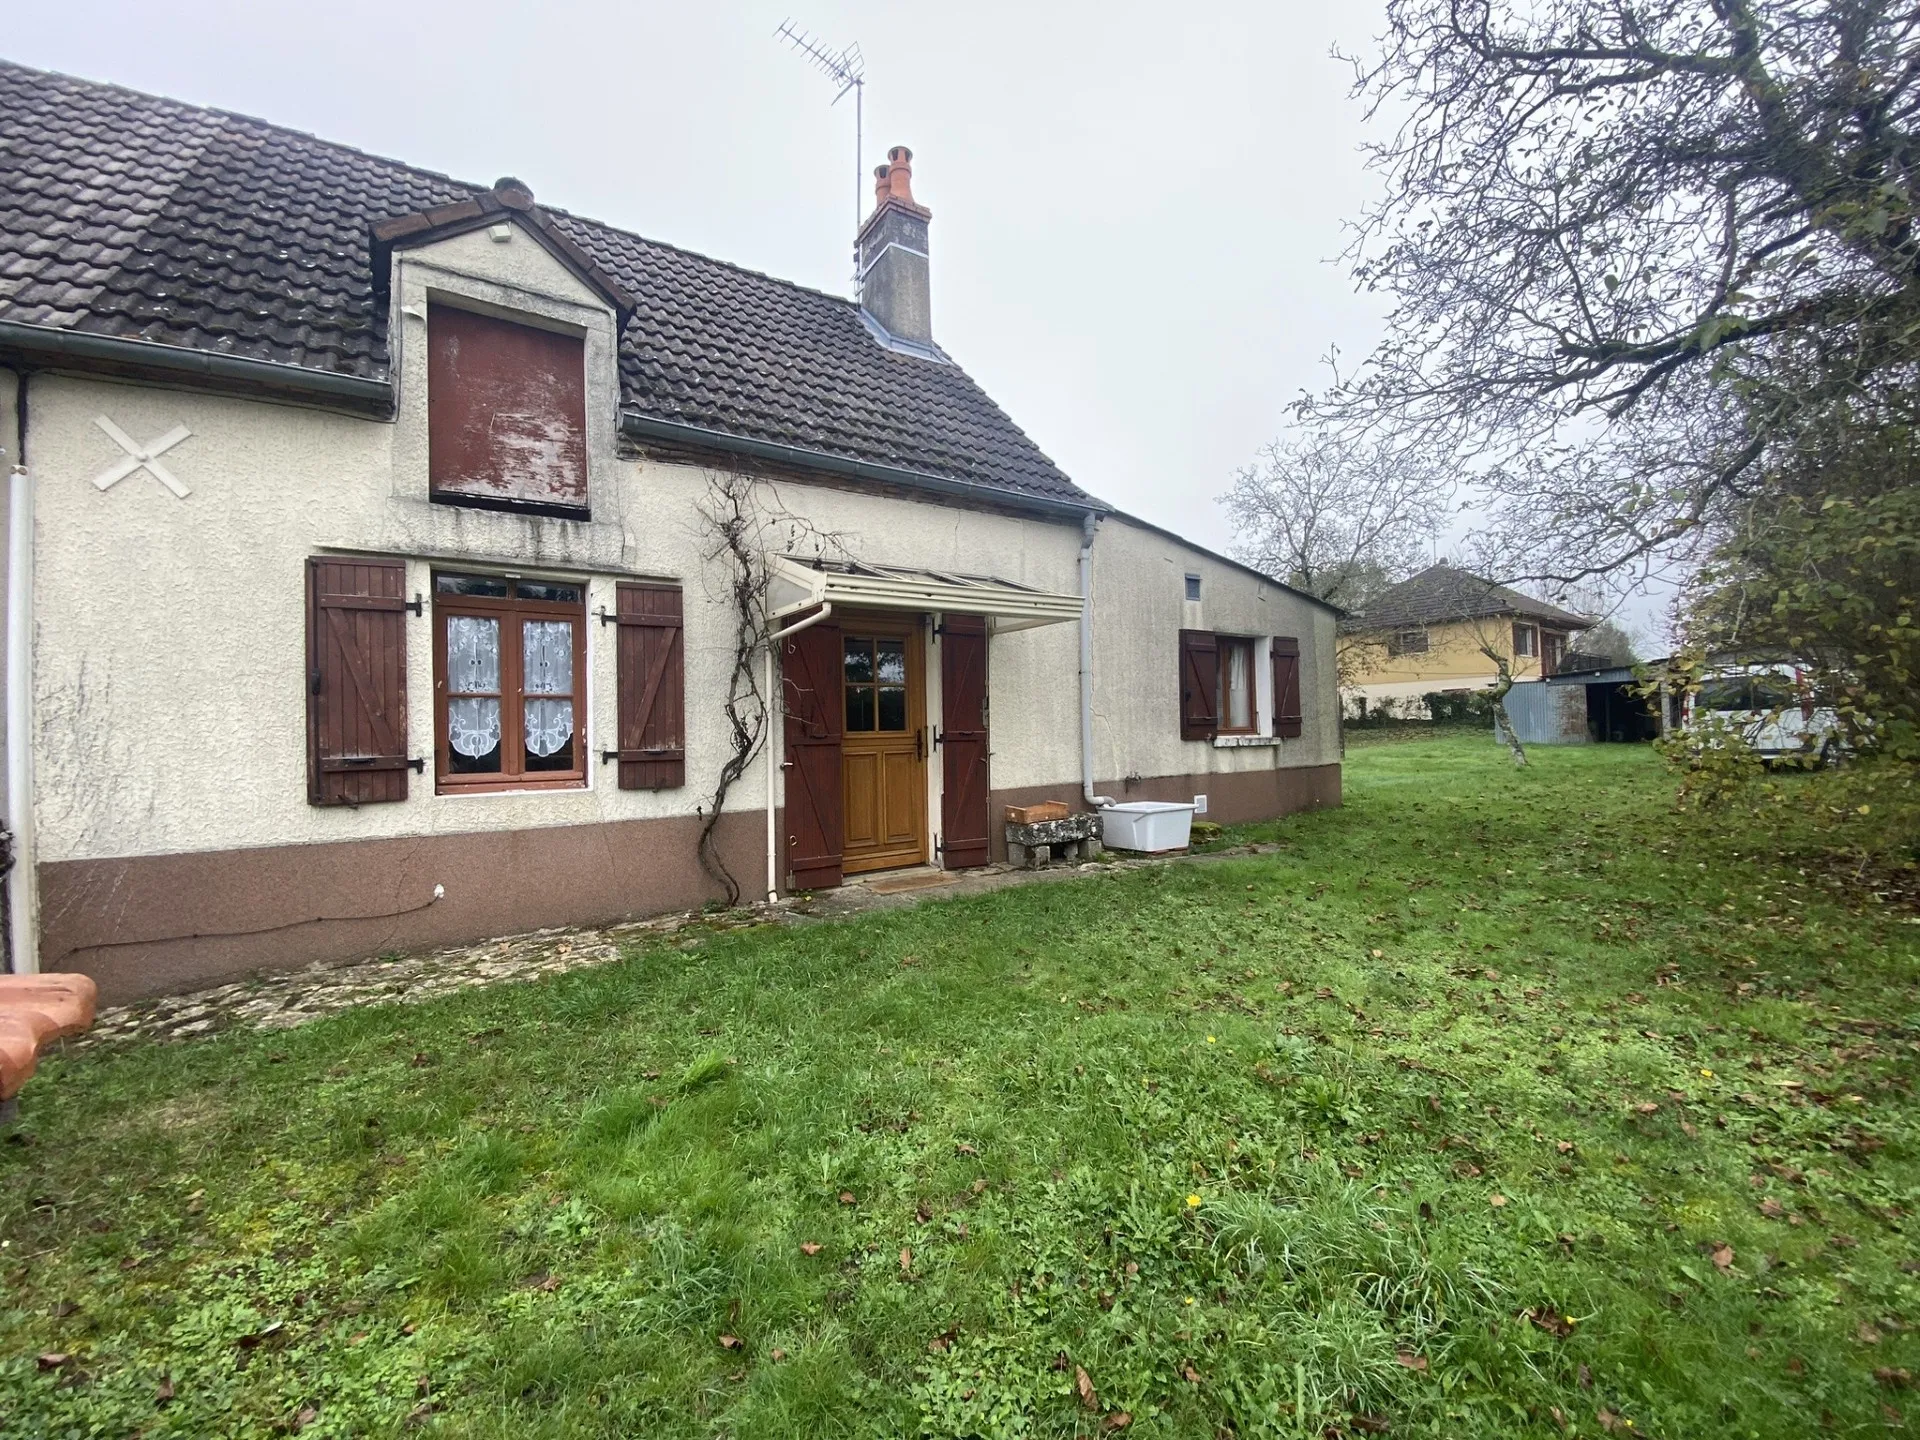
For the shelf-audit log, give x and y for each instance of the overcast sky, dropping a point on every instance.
(1135, 208)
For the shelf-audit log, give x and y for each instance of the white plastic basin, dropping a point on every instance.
(1147, 825)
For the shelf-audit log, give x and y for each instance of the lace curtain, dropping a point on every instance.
(1239, 687)
(473, 663)
(547, 666)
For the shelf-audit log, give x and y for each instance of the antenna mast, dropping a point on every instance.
(848, 69)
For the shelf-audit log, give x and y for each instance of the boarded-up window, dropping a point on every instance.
(1286, 687)
(652, 682)
(356, 682)
(506, 414)
(1199, 685)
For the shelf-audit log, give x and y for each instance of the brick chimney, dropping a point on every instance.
(892, 246)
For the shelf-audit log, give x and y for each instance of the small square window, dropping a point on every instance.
(1193, 587)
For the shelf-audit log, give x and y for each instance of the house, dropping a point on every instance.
(1430, 633)
(396, 561)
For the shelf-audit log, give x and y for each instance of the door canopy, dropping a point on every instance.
(800, 584)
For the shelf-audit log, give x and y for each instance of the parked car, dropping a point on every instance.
(1775, 709)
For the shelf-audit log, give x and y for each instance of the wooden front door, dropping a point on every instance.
(883, 752)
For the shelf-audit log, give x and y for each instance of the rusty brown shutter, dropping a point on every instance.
(356, 682)
(963, 741)
(506, 413)
(1199, 685)
(812, 705)
(1286, 687)
(651, 669)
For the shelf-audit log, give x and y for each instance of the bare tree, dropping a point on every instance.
(1337, 516)
(1635, 247)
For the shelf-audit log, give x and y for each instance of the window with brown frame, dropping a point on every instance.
(1524, 641)
(1239, 714)
(1411, 641)
(509, 680)
(1553, 650)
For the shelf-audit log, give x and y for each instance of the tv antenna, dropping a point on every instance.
(848, 69)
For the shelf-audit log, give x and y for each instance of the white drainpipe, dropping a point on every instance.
(1087, 526)
(25, 956)
(775, 714)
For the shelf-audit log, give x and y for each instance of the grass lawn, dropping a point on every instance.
(1487, 1106)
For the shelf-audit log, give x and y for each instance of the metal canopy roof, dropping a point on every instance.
(800, 583)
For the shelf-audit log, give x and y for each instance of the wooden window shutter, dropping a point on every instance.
(652, 679)
(506, 414)
(1199, 685)
(356, 682)
(1286, 687)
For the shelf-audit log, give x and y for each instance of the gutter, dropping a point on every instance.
(1088, 523)
(23, 937)
(83, 351)
(646, 427)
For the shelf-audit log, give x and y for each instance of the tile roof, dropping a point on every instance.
(140, 218)
(1445, 592)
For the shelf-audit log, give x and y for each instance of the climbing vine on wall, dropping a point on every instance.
(745, 525)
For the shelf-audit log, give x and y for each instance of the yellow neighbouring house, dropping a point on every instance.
(1430, 634)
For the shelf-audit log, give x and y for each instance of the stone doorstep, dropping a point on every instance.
(282, 1000)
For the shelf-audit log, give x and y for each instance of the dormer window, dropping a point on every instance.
(506, 414)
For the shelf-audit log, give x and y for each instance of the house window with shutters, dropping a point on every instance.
(506, 415)
(509, 683)
(1524, 640)
(1239, 715)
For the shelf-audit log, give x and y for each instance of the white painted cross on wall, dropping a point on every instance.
(140, 457)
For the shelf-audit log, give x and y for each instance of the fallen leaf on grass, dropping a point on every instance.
(1772, 1208)
(1610, 1422)
(1645, 1107)
(52, 1359)
(1085, 1386)
(1723, 1257)
(260, 1336)
(809, 1247)
(1866, 1334)
(846, 1197)
(1565, 1147)
(943, 1342)
(1370, 1424)
(729, 1342)
(1189, 1374)
(1119, 1420)
(164, 1392)
(777, 1354)
(544, 1281)
(906, 1261)
(1497, 1201)
(1412, 1361)
(1545, 1317)
(305, 1418)
(964, 1149)
(1893, 1379)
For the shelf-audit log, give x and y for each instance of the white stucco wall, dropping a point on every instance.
(170, 633)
